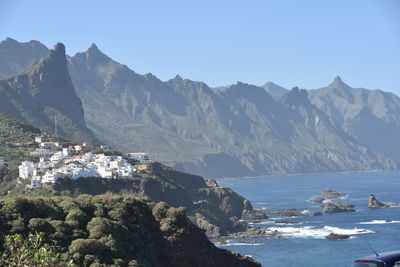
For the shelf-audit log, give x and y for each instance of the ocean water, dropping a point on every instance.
(304, 244)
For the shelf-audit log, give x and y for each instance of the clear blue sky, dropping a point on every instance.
(290, 42)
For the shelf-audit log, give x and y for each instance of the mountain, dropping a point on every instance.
(372, 117)
(16, 56)
(275, 90)
(235, 130)
(230, 131)
(43, 93)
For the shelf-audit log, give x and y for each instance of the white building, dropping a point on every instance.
(57, 157)
(49, 144)
(85, 173)
(42, 165)
(2, 162)
(26, 169)
(50, 177)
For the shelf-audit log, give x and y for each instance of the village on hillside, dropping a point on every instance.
(52, 160)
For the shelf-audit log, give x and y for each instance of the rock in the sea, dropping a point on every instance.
(373, 202)
(333, 236)
(253, 215)
(317, 199)
(335, 207)
(327, 194)
(317, 213)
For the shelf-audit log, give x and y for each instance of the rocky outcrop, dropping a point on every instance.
(336, 207)
(373, 202)
(211, 183)
(253, 215)
(326, 195)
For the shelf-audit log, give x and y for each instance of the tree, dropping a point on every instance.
(31, 251)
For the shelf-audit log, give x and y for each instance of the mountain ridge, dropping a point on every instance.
(208, 130)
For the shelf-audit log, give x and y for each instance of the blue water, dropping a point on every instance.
(282, 192)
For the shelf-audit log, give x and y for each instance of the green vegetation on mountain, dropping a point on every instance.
(219, 208)
(110, 230)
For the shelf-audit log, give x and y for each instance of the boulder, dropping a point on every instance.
(317, 213)
(335, 207)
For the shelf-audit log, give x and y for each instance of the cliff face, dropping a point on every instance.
(372, 117)
(120, 230)
(44, 93)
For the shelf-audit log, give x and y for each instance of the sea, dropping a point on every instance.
(304, 244)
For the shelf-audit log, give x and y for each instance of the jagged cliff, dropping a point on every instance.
(44, 93)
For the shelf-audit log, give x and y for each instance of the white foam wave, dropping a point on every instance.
(313, 232)
(379, 222)
(237, 244)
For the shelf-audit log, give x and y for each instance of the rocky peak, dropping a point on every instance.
(178, 78)
(296, 97)
(57, 52)
(338, 82)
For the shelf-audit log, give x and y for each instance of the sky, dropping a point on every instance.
(303, 43)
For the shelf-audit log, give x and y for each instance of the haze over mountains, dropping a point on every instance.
(234, 130)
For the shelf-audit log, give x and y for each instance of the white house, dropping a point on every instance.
(85, 173)
(26, 169)
(42, 165)
(1, 162)
(50, 177)
(49, 144)
(57, 157)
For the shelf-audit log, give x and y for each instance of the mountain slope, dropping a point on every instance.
(16, 56)
(234, 130)
(372, 117)
(44, 93)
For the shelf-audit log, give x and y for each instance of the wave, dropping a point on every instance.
(228, 244)
(379, 222)
(313, 232)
